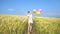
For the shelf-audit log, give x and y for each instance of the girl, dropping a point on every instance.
(30, 22)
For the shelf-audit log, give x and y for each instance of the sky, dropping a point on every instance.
(51, 8)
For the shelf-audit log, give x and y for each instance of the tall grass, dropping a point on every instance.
(11, 24)
(46, 25)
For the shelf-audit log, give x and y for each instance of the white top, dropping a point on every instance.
(30, 18)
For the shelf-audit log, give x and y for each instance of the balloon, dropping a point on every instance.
(40, 10)
(37, 13)
(34, 10)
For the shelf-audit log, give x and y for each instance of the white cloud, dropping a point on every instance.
(11, 10)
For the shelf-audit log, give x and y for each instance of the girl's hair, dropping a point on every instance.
(28, 11)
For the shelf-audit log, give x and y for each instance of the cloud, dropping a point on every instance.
(11, 10)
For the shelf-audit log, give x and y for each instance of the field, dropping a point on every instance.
(12, 24)
(46, 25)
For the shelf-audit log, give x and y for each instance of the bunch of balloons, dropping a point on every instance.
(38, 12)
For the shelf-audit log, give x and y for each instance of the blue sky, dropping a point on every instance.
(50, 8)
